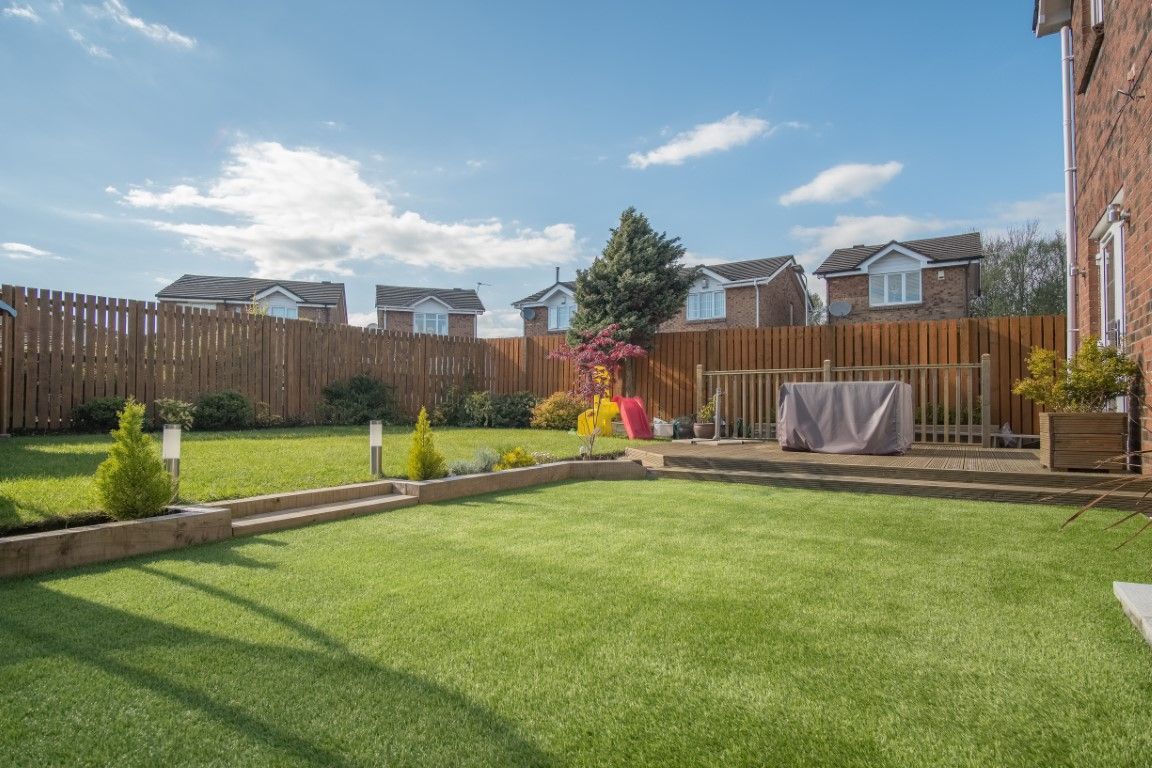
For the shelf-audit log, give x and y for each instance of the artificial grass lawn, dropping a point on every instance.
(48, 477)
(629, 623)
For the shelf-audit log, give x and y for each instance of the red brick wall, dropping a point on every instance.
(538, 325)
(462, 325)
(943, 299)
(395, 320)
(1113, 136)
(776, 299)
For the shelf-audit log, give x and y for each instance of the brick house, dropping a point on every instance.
(738, 294)
(932, 279)
(439, 311)
(320, 302)
(1108, 171)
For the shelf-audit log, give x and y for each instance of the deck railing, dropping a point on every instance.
(951, 401)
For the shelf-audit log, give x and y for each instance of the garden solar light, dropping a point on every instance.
(170, 451)
(375, 445)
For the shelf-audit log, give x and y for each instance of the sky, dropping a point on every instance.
(456, 144)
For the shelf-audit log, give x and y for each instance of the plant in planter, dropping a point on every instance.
(705, 426)
(1077, 428)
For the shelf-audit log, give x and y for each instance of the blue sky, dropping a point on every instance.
(450, 143)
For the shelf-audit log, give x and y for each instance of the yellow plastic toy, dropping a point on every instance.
(608, 410)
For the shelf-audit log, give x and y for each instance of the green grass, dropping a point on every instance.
(632, 624)
(42, 478)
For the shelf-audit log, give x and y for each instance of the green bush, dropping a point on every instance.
(462, 408)
(559, 411)
(464, 467)
(486, 459)
(98, 415)
(262, 416)
(453, 409)
(424, 461)
(132, 482)
(514, 410)
(171, 411)
(223, 410)
(517, 457)
(358, 400)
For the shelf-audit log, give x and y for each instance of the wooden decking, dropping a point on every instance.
(931, 470)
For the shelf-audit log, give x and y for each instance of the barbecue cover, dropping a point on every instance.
(863, 417)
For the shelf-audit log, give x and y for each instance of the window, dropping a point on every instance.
(289, 313)
(1096, 11)
(560, 318)
(706, 305)
(430, 322)
(894, 288)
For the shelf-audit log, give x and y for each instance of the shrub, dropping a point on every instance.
(453, 409)
(98, 415)
(1087, 383)
(464, 467)
(262, 416)
(359, 400)
(707, 411)
(463, 408)
(514, 410)
(171, 411)
(543, 457)
(132, 481)
(424, 461)
(559, 411)
(486, 459)
(517, 457)
(223, 410)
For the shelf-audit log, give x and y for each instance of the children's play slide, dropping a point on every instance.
(608, 413)
(635, 419)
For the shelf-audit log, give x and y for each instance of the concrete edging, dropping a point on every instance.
(514, 479)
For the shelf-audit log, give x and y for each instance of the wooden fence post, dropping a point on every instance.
(699, 388)
(986, 400)
(7, 360)
(827, 370)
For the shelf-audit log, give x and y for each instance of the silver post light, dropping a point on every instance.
(376, 446)
(170, 451)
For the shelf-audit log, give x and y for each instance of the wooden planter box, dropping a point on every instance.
(1083, 441)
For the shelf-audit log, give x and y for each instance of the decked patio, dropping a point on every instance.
(929, 469)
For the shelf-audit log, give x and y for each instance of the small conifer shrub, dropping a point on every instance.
(424, 461)
(132, 482)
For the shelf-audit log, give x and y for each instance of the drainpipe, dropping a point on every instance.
(1068, 78)
(756, 285)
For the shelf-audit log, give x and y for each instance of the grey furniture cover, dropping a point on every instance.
(863, 417)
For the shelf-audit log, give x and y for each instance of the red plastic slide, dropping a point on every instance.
(634, 417)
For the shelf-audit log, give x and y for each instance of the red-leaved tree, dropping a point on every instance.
(597, 358)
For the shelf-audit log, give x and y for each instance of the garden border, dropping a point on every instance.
(34, 553)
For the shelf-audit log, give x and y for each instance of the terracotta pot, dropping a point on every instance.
(705, 431)
(1083, 441)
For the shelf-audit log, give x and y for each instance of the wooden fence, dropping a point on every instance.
(64, 349)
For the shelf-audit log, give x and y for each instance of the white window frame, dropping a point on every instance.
(710, 304)
(288, 313)
(1110, 256)
(907, 278)
(560, 317)
(437, 322)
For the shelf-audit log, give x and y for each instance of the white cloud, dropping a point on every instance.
(706, 138)
(25, 252)
(362, 319)
(26, 12)
(163, 280)
(1046, 210)
(693, 259)
(497, 323)
(843, 182)
(160, 33)
(300, 209)
(847, 231)
(111, 190)
(91, 48)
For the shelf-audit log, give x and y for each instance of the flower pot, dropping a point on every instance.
(1083, 440)
(704, 431)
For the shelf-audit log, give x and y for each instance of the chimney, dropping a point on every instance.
(557, 274)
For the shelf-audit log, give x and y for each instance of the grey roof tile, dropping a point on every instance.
(211, 288)
(461, 299)
(951, 248)
(569, 284)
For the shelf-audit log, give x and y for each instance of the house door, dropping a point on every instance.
(1110, 260)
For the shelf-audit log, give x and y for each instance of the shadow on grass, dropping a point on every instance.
(206, 698)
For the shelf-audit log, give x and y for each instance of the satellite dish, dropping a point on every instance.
(7, 308)
(839, 308)
(372, 326)
(528, 313)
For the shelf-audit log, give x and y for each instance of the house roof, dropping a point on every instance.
(211, 288)
(459, 299)
(952, 248)
(569, 284)
(753, 269)
(1048, 16)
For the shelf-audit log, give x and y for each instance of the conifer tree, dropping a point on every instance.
(424, 461)
(637, 283)
(132, 481)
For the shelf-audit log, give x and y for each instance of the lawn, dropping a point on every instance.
(633, 623)
(49, 477)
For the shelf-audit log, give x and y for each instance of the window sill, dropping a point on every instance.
(707, 319)
(903, 305)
